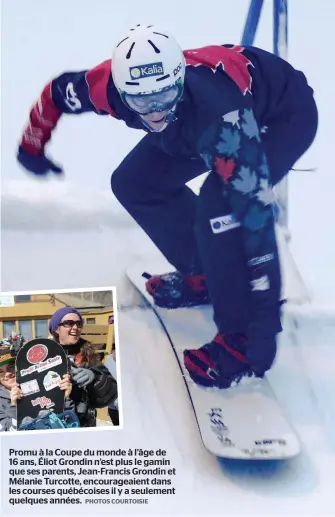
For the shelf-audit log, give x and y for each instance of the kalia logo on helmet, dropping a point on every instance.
(149, 70)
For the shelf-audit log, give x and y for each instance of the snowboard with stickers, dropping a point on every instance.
(40, 365)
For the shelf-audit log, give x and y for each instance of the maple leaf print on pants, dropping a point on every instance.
(225, 168)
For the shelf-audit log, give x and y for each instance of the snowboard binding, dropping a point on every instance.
(174, 290)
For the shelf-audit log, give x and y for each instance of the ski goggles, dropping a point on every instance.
(147, 103)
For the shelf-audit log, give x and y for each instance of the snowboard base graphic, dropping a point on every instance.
(243, 422)
(40, 365)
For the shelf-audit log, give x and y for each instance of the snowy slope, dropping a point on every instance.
(302, 486)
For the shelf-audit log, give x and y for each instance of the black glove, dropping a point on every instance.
(37, 164)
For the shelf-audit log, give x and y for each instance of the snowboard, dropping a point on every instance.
(245, 421)
(40, 365)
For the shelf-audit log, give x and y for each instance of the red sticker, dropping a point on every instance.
(42, 402)
(37, 353)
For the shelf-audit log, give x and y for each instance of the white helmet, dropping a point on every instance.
(147, 61)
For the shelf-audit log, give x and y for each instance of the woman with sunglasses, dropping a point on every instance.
(93, 386)
(241, 114)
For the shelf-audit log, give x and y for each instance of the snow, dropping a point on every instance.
(70, 232)
(301, 486)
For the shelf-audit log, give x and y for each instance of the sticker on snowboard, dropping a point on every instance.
(243, 422)
(40, 365)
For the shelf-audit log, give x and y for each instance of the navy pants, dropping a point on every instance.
(150, 184)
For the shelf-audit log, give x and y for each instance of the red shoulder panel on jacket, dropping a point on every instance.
(97, 80)
(232, 60)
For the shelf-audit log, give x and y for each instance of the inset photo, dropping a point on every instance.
(59, 360)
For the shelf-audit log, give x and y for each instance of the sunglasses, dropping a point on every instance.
(9, 374)
(71, 323)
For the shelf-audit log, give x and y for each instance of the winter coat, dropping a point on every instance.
(98, 394)
(8, 420)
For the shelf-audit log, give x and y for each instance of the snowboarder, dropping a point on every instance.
(239, 113)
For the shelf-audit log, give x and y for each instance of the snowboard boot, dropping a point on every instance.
(220, 363)
(174, 290)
